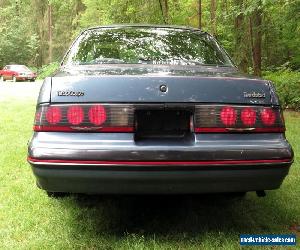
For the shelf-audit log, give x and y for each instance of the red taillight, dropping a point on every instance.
(85, 118)
(75, 115)
(228, 116)
(268, 116)
(53, 115)
(38, 116)
(237, 119)
(248, 116)
(97, 115)
(120, 118)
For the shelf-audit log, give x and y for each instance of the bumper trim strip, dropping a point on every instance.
(154, 163)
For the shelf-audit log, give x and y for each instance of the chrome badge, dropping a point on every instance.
(254, 95)
(70, 93)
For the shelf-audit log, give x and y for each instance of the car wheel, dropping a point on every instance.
(14, 79)
(56, 194)
(32, 80)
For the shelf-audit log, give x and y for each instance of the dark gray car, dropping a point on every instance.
(156, 109)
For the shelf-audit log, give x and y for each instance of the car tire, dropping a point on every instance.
(14, 79)
(56, 194)
(33, 80)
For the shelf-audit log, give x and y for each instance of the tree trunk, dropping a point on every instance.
(18, 8)
(50, 32)
(78, 8)
(213, 20)
(164, 7)
(240, 51)
(200, 13)
(166, 11)
(256, 38)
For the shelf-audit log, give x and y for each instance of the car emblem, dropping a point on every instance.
(163, 88)
(254, 95)
(70, 93)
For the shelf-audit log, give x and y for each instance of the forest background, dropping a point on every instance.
(262, 36)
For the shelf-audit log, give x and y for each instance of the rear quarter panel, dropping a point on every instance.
(45, 91)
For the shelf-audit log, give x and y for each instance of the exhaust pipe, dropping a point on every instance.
(261, 193)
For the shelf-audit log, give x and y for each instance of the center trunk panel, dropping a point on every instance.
(167, 123)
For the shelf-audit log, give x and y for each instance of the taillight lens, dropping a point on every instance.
(75, 115)
(53, 115)
(85, 118)
(248, 116)
(97, 114)
(236, 118)
(268, 116)
(228, 116)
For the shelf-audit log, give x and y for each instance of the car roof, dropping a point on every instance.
(15, 65)
(113, 26)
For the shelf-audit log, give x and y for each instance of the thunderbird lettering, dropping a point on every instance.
(254, 95)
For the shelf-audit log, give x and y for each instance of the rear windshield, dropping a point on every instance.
(146, 46)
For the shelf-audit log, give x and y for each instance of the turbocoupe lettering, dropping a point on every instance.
(70, 93)
(156, 109)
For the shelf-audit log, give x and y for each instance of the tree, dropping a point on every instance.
(18, 43)
(213, 18)
(255, 22)
(164, 7)
(259, 34)
(200, 14)
(39, 26)
(240, 45)
(50, 32)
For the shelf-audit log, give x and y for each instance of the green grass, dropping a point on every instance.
(31, 220)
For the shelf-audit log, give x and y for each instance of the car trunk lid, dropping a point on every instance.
(160, 88)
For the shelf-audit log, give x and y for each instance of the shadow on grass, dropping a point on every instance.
(175, 216)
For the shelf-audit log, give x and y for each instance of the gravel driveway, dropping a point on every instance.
(19, 90)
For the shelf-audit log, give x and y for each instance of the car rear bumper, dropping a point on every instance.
(165, 180)
(25, 78)
(116, 163)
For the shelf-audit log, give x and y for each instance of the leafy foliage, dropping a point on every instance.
(47, 70)
(37, 32)
(17, 43)
(287, 84)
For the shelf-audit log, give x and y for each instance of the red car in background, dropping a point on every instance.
(17, 73)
